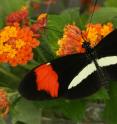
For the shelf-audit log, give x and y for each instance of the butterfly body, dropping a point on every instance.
(76, 74)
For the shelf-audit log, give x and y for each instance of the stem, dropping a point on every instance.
(9, 74)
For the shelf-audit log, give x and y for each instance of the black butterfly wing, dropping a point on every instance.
(28, 88)
(86, 88)
(67, 68)
(108, 47)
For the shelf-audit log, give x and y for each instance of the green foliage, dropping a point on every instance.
(32, 110)
(2, 121)
(105, 14)
(110, 112)
(99, 95)
(26, 112)
(73, 109)
(111, 3)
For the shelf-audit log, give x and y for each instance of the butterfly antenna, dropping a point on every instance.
(91, 17)
(89, 21)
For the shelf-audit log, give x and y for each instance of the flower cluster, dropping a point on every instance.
(95, 32)
(73, 37)
(18, 16)
(71, 41)
(40, 24)
(4, 104)
(16, 45)
(19, 37)
(21, 17)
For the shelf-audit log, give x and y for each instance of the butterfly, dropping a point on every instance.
(73, 76)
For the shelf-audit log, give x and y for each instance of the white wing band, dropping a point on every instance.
(91, 68)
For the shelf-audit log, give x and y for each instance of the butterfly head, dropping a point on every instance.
(87, 46)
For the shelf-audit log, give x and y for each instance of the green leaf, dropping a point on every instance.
(110, 112)
(99, 95)
(70, 15)
(25, 111)
(72, 109)
(8, 77)
(104, 14)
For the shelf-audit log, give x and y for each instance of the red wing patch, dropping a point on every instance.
(47, 79)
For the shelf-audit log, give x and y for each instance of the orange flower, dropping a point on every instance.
(40, 24)
(16, 44)
(95, 32)
(18, 16)
(71, 41)
(106, 29)
(22, 17)
(73, 38)
(4, 104)
(92, 33)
